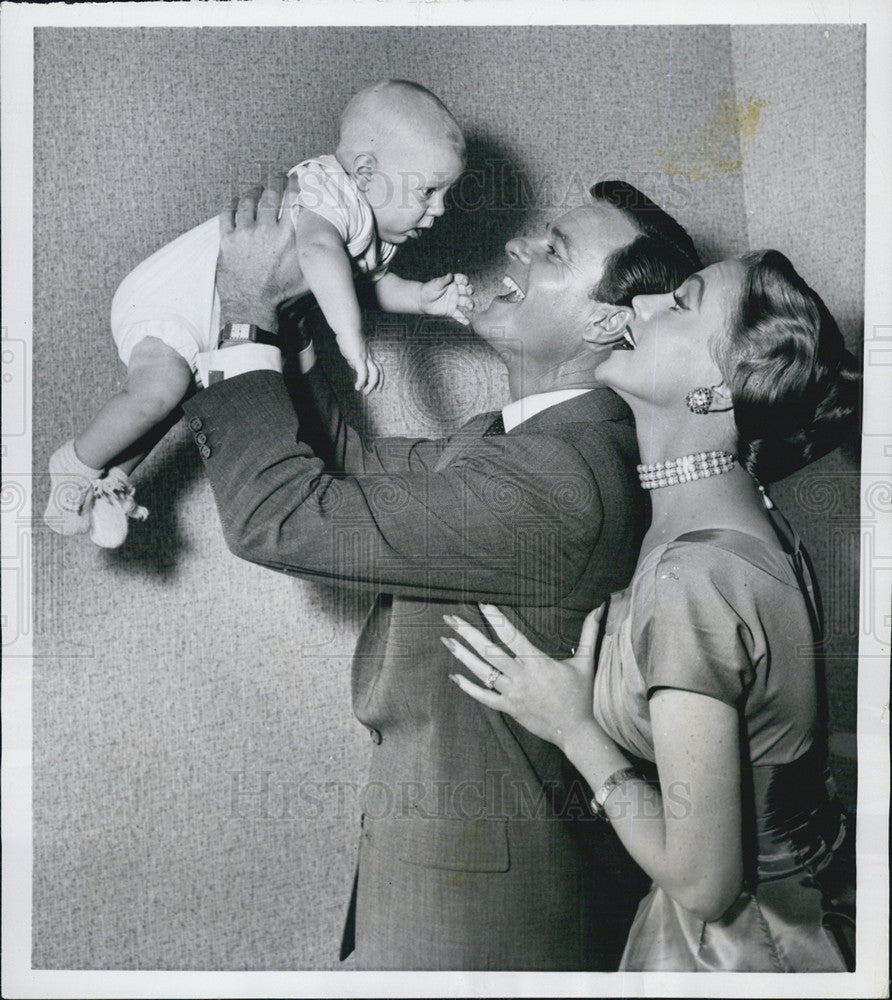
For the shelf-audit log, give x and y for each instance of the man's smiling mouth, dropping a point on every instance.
(514, 292)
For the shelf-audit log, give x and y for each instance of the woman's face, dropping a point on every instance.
(672, 336)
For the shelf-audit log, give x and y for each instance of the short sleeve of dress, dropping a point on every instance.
(694, 634)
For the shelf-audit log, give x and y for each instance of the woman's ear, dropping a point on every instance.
(607, 324)
(362, 169)
(721, 399)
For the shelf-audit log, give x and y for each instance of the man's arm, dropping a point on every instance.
(491, 526)
(350, 451)
(258, 267)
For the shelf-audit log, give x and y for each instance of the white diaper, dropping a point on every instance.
(172, 296)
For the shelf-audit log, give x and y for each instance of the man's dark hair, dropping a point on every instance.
(655, 262)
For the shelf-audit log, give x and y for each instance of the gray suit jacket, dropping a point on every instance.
(478, 850)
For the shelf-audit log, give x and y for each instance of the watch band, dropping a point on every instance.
(619, 777)
(245, 333)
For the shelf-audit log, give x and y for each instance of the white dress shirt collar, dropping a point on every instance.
(518, 410)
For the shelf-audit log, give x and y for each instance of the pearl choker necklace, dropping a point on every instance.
(700, 465)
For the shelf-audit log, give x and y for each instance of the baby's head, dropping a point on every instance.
(404, 150)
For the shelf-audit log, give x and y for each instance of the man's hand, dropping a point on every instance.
(449, 295)
(258, 267)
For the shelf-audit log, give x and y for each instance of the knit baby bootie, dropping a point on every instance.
(113, 505)
(71, 492)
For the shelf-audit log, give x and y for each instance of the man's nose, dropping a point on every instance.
(518, 249)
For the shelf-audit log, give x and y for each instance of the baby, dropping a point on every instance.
(399, 152)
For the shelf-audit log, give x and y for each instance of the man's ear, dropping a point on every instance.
(362, 169)
(606, 324)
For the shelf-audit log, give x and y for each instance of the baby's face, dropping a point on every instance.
(407, 190)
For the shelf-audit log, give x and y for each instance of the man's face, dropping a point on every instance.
(547, 306)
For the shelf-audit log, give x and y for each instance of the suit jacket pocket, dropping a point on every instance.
(477, 845)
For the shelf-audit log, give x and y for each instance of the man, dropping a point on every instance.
(480, 853)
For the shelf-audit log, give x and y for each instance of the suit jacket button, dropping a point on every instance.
(195, 424)
(204, 451)
(201, 438)
(376, 736)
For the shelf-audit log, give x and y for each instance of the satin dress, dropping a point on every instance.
(724, 614)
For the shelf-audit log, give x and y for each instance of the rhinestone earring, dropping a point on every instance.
(699, 400)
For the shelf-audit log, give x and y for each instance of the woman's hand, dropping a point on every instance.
(551, 698)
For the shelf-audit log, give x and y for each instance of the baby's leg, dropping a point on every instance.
(126, 427)
(157, 379)
(131, 457)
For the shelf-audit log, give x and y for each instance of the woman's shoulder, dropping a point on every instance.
(703, 603)
(716, 578)
(728, 558)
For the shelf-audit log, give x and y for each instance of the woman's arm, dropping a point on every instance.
(686, 834)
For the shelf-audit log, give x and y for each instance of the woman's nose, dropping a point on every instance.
(645, 305)
(518, 249)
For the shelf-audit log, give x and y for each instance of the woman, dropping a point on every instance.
(707, 664)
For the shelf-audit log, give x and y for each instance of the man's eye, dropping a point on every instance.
(679, 305)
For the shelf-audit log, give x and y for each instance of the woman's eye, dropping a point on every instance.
(428, 192)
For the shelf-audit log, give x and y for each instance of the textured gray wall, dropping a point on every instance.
(171, 678)
(804, 183)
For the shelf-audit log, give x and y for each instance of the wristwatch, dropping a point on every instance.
(233, 334)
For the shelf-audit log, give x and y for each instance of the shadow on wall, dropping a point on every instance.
(158, 545)
(488, 205)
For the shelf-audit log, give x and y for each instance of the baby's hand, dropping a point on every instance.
(368, 372)
(449, 295)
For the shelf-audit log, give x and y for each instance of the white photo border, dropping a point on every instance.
(18, 978)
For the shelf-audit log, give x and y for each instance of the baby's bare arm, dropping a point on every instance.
(398, 295)
(328, 272)
(449, 295)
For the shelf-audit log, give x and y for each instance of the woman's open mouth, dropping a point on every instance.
(627, 343)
